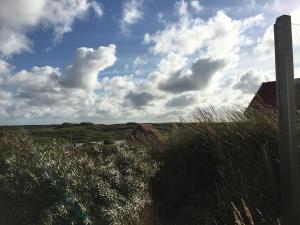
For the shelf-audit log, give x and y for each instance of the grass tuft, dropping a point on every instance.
(212, 162)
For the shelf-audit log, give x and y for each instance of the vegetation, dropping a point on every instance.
(220, 171)
(210, 170)
(82, 132)
(52, 184)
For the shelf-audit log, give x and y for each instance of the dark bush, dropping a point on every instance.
(53, 184)
(213, 162)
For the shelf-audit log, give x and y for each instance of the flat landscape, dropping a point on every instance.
(148, 112)
(83, 132)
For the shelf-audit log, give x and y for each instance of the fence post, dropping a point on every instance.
(290, 189)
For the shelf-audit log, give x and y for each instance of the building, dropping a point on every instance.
(146, 131)
(265, 98)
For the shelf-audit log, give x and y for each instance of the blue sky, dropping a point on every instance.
(133, 60)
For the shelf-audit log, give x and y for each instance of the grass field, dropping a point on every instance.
(82, 132)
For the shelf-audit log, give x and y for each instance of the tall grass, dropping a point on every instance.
(212, 162)
(213, 169)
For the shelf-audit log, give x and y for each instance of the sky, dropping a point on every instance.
(121, 61)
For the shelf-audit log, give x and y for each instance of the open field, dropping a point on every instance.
(83, 132)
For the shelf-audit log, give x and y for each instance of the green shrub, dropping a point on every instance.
(54, 184)
(214, 161)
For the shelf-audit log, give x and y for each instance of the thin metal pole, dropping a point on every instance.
(290, 189)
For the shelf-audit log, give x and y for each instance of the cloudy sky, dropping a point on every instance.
(134, 60)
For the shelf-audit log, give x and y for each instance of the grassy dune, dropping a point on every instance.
(82, 132)
(220, 171)
(209, 170)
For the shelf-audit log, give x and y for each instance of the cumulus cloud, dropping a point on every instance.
(38, 94)
(249, 82)
(252, 21)
(201, 73)
(83, 73)
(139, 61)
(54, 93)
(118, 83)
(265, 44)
(4, 70)
(39, 79)
(60, 15)
(181, 101)
(40, 87)
(181, 7)
(193, 53)
(193, 35)
(139, 100)
(131, 14)
(4, 67)
(191, 56)
(196, 5)
(18, 17)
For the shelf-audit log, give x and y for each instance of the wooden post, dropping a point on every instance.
(289, 161)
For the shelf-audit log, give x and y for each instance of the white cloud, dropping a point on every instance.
(161, 18)
(4, 70)
(98, 9)
(181, 7)
(17, 14)
(88, 63)
(60, 15)
(12, 42)
(251, 81)
(39, 94)
(193, 51)
(18, 17)
(182, 101)
(196, 79)
(193, 58)
(139, 61)
(4, 67)
(196, 66)
(131, 14)
(117, 83)
(253, 21)
(54, 93)
(265, 44)
(196, 5)
(39, 79)
(189, 36)
(281, 7)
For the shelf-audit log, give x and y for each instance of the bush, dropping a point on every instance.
(55, 184)
(212, 162)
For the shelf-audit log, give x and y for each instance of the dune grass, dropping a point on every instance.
(215, 166)
(211, 169)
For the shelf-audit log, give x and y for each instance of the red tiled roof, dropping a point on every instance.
(146, 126)
(266, 96)
(146, 130)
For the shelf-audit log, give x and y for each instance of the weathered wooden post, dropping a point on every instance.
(289, 160)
